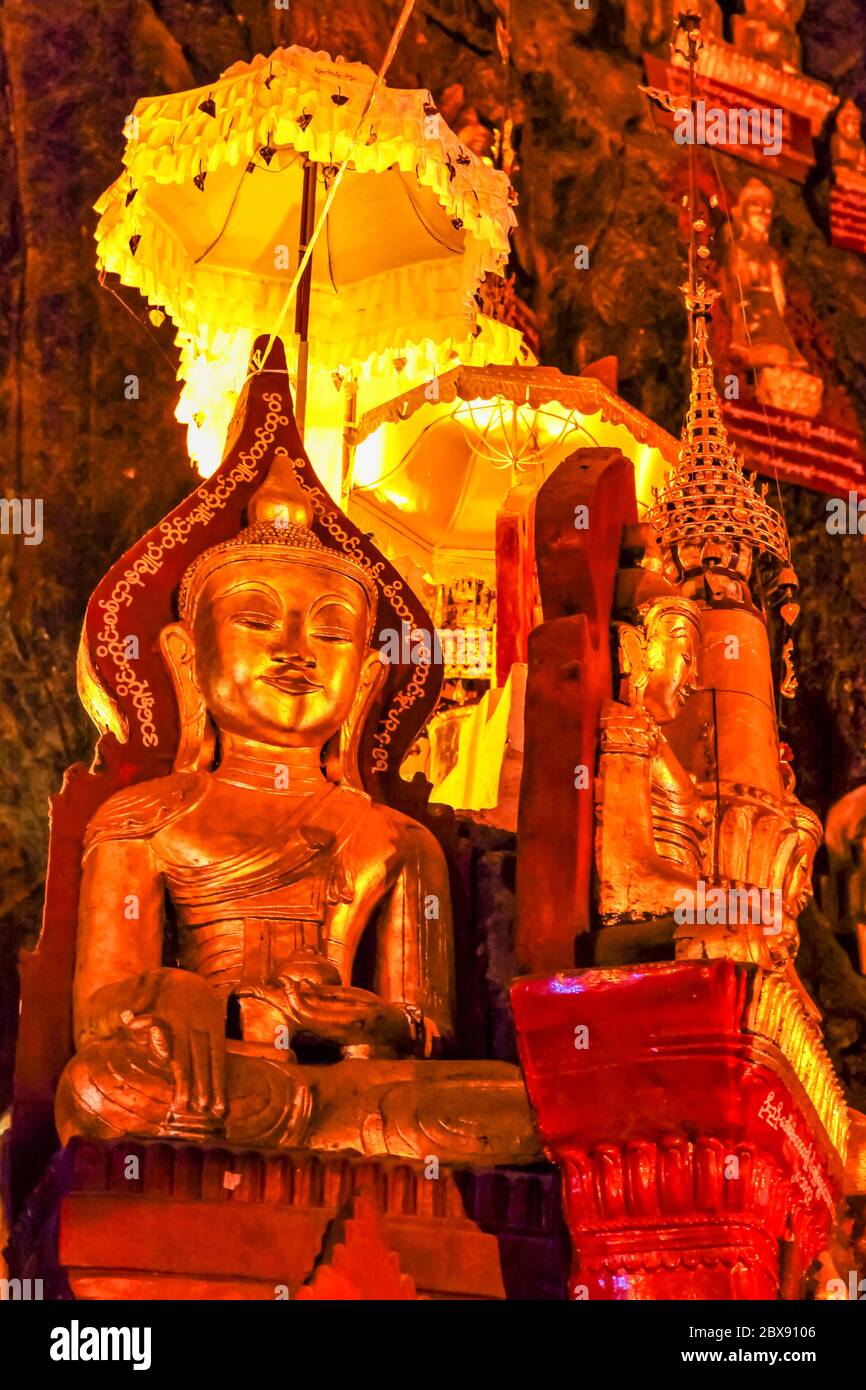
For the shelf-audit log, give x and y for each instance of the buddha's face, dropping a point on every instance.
(278, 650)
(849, 122)
(671, 664)
(758, 217)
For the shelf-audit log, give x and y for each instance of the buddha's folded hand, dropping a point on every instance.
(341, 1013)
(307, 966)
(348, 1016)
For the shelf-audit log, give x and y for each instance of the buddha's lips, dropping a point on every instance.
(292, 683)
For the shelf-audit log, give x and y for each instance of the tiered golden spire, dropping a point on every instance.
(707, 496)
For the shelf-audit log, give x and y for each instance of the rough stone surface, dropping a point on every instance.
(594, 173)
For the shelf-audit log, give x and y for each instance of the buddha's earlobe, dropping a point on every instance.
(632, 652)
(196, 744)
(341, 759)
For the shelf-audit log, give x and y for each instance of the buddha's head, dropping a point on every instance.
(754, 210)
(274, 631)
(848, 121)
(660, 658)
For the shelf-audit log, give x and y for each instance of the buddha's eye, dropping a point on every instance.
(256, 622)
(330, 623)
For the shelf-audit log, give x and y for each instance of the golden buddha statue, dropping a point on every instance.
(223, 906)
(843, 898)
(727, 552)
(650, 834)
(702, 848)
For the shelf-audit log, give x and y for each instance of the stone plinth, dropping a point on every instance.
(169, 1220)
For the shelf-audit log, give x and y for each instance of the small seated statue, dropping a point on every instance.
(768, 31)
(651, 21)
(223, 907)
(712, 24)
(755, 289)
(847, 148)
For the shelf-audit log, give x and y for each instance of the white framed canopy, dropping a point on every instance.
(431, 469)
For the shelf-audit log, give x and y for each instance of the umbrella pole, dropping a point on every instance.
(351, 419)
(302, 304)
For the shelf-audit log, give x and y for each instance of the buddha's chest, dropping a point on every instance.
(251, 888)
(228, 830)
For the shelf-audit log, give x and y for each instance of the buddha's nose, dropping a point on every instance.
(290, 647)
(289, 656)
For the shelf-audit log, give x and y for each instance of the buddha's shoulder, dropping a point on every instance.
(408, 837)
(138, 812)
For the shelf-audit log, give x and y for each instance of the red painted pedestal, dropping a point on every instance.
(165, 1219)
(694, 1164)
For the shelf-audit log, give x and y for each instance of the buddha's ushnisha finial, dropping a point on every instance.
(279, 527)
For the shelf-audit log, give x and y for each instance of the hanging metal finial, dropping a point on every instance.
(687, 32)
(687, 29)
